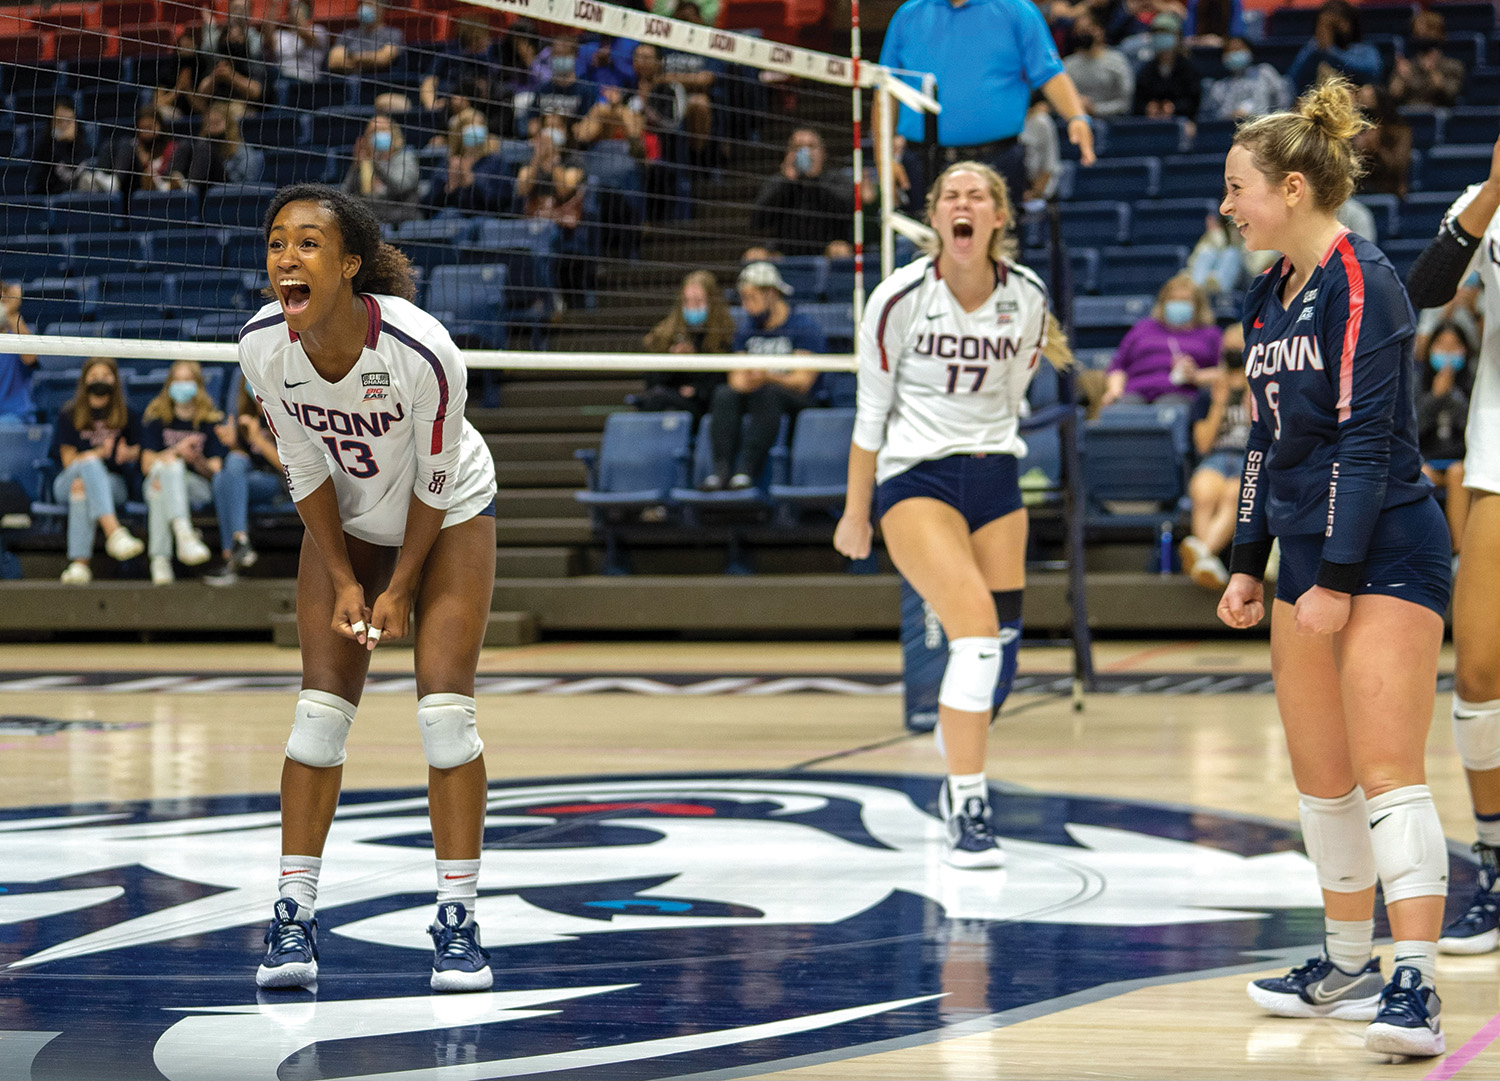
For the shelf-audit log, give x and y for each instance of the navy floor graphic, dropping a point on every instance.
(658, 683)
(643, 927)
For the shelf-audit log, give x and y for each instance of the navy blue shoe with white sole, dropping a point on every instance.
(459, 963)
(291, 949)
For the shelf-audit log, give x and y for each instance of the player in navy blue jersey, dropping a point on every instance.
(1332, 471)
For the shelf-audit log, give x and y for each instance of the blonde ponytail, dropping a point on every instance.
(1314, 140)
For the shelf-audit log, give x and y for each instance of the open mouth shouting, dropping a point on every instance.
(963, 232)
(295, 295)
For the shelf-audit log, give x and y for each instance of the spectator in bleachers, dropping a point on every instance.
(1169, 84)
(1250, 89)
(16, 369)
(695, 74)
(1221, 428)
(235, 53)
(700, 322)
(1425, 77)
(465, 76)
(1170, 353)
(1126, 19)
(521, 61)
(661, 104)
(1219, 262)
(97, 440)
(1104, 77)
(299, 44)
(476, 178)
(608, 62)
(218, 155)
(385, 172)
(1336, 48)
(369, 47)
(1442, 415)
(552, 186)
(1385, 145)
(1039, 140)
(1212, 22)
(800, 209)
(142, 161)
(610, 119)
(59, 159)
(770, 327)
(182, 456)
(563, 94)
(175, 77)
(251, 477)
(706, 10)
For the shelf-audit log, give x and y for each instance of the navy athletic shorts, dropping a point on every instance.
(1410, 557)
(981, 487)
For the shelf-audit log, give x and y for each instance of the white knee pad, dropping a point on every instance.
(1336, 833)
(1407, 837)
(449, 735)
(1476, 730)
(972, 672)
(319, 728)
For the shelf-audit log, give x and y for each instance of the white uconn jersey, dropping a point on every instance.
(1482, 435)
(935, 380)
(391, 427)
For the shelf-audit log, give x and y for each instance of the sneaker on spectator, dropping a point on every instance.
(77, 574)
(224, 576)
(1202, 566)
(190, 547)
(242, 557)
(161, 571)
(123, 544)
(711, 483)
(739, 482)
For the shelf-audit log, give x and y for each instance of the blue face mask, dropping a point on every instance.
(1237, 61)
(562, 65)
(381, 141)
(475, 135)
(182, 391)
(367, 14)
(1163, 42)
(695, 317)
(803, 160)
(1178, 313)
(1439, 361)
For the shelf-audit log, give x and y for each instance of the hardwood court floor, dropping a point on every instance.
(1221, 754)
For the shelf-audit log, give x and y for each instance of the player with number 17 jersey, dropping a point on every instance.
(392, 426)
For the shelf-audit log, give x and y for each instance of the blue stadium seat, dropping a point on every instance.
(703, 465)
(338, 130)
(1089, 225)
(243, 205)
(1171, 221)
(1174, 416)
(212, 292)
(838, 283)
(170, 249)
(1125, 467)
(330, 93)
(1292, 22)
(1426, 127)
(1468, 18)
(1126, 270)
(1100, 322)
(1422, 212)
(13, 172)
(22, 448)
(1386, 209)
(26, 257)
(453, 230)
(1139, 136)
(1453, 167)
(837, 389)
(837, 322)
(468, 300)
(1473, 125)
(1467, 48)
(1214, 137)
(1083, 261)
(163, 209)
(807, 275)
(1115, 178)
(1045, 387)
(817, 476)
(274, 129)
(1068, 152)
(220, 327)
(75, 212)
(26, 214)
(1481, 88)
(109, 253)
(52, 300)
(303, 165)
(180, 330)
(643, 456)
(1403, 253)
(131, 297)
(244, 249)
(1044, 453)
(526, 246)
(110, 104)
(51, 390)
(59, 362)
(74, 328)
(1191, 176)
(428, 255)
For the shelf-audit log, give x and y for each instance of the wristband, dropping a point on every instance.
(1250, 557)
(1085, 117)
(1340, 577)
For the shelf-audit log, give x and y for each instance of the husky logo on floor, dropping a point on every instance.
(678, 924)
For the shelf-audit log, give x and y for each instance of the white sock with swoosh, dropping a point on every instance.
(1419, 955)
(458, 880)
(299, 881)
(1347, 942)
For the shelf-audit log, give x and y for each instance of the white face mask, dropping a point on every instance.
(558, 136)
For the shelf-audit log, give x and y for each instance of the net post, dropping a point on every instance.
(857, 104)
(885, 155)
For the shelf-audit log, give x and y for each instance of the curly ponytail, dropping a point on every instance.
(383, 268)
(1314, 140)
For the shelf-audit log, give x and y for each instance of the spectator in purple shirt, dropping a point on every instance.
(1168, 354)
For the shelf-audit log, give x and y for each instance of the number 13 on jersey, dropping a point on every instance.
(352, 456)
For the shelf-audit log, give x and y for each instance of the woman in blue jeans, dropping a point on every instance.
(182, 456)
(251, 477)
(97, 440)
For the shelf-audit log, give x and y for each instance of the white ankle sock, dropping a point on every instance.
(458, 880)
(1488, 830)
(1419, 955)
(1347, 942)
(963, 787)
(299, 881)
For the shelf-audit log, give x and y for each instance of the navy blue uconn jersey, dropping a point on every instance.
(1334, 437)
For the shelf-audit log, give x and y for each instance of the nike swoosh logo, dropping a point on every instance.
(939, 315)
(1382, 818)
(305, 870)
(451, 877)
(1259, 322)
(1322, 997)
(289, 386)
(987, 656)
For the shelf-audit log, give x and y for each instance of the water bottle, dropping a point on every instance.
(1164, 549)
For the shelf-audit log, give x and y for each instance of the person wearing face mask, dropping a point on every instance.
(1442, 412)
(1221, 427)
(700, 322)
(799, 211)
(1250, 89)
(477, 177)
(1424, 77)
(562, 94)
(1104, 77)
(1336, 49)
(15, 368)
(385, 172)
(1168, 354)
(552, 186)
(1168, 84)
(96, 438)
(182, 456)
(370, 46)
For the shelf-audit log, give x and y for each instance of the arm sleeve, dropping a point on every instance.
(1363, 344)
(438, 419)
(304, 466)
(1252, 536)
(1434, 277)
(1038, 50)
(877, 377)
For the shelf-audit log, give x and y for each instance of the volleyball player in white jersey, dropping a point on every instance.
(947, 348)
(365, 394)
(1470, 235)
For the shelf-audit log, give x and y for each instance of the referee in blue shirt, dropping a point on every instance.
(987, 56)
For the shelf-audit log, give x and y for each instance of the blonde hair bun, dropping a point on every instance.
(1330, 105)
